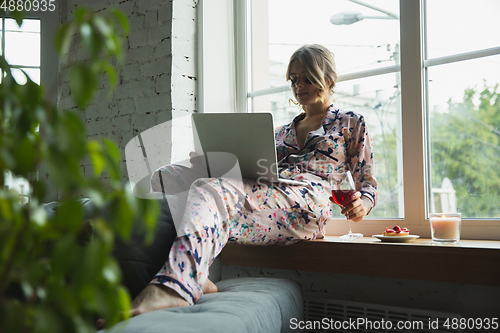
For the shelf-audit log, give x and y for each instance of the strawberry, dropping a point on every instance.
(397, 229)
(389, 230)
(404, 230)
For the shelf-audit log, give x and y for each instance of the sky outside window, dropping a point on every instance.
(22, 47)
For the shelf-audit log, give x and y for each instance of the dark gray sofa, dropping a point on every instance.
(243, 305)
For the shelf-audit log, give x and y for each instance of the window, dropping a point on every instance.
(30, 48)
(415, 70)
(462, 73)
(21, 47)
(365, 42)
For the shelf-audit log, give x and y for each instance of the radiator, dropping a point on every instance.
(327, 315)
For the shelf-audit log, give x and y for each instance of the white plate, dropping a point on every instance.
(396, 239)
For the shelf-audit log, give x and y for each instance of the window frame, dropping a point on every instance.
(414, 119)
(49, 21)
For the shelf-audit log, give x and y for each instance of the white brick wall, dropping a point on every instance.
(157, 80)
(183, 78)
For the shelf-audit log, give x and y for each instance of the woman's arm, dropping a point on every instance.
(360, 160)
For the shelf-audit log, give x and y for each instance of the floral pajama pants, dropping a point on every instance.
(222, 210)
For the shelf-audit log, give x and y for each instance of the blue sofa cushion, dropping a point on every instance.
(242, 305)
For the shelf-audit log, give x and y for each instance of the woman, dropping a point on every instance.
(319, 142)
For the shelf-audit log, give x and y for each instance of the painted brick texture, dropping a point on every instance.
(157, 79)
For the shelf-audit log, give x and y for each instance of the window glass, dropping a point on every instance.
(370, 41)
(281, 107)
(29, 25)
(22, 44)
(279, 27)
(458, 26)
(464, 127)
(378, 99)
(20, 77)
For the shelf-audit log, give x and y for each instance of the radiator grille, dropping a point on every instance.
(376, 317)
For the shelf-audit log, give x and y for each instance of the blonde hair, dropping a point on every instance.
(319, 64)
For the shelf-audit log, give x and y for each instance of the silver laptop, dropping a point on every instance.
(247, 139)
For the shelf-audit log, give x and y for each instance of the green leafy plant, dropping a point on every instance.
(52, 277)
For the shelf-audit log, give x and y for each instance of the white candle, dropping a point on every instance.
(445, 228)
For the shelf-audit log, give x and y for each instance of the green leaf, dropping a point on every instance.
(18, 16)
(96, 43)
(96, 157)
(80, 15)
(71, 134)
(26, 156)
(112, 149)
(46, 320)
(107, 68)
(123, 300)
(151, 209)
(114, 46)
(122, 19)
(113, 159)
(86, 33)
(33, 90)
(111, 271)
(83, 82)
(6, 157)
(103, 230)
(67, 168)
(62, 38)
(39, 216)
(96, 197)
(102, 26)
(6, 211)
(64, 255)
(123, 220)
(69, 216)
(62, 278)
(39, 190)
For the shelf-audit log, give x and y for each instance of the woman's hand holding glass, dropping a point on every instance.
(345, 195)
(355, 211)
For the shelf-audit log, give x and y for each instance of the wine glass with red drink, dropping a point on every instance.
(342, 191)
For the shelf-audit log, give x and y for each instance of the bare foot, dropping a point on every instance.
(155, 297)
(209, 287)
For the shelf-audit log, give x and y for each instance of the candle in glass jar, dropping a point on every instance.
(445, 227)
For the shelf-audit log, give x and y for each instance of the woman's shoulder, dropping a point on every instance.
(281, 128)
(281, 131)
(347, 116)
